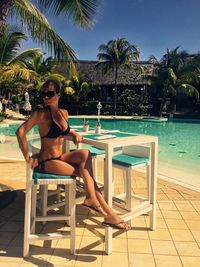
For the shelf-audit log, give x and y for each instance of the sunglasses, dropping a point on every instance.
(48, 94)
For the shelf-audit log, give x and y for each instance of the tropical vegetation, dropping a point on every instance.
(33, 21)
(176, 74)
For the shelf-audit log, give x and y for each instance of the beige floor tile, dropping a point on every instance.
(11, 254)
(185, 207)
(190, 261)
(138, 222)
(181, 235)
(196, 207)
(120, 234)
(167, 206)
(176, 224)
(139, 260)
(138, 233)
(115, 259)
(171, 215)
(93, 230)
(167, 261)
(6, 237)
(65, 243)
(17, 241)
(188, 248)
(162, 196)
(193, 224)
(89, 259)
(163, 247)
(195, 202)
(120, 245)
(63, 257)
(160, 223)
(39, 255)
(12, 227)
(91, 243)
(190, 215)
(160, 234)
(196, 235)
(159, 214)
(139, 246)
(31, 264)
(9, 264)
(45, 243)
(176, 196)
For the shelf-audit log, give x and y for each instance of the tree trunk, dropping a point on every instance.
(4, 7)
(115, 92)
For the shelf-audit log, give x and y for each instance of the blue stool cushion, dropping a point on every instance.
(40, 175)
(96, 151)
(128, 161)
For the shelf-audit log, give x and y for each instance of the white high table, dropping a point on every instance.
(108, 145)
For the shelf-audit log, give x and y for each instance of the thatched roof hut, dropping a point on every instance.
(126, 76)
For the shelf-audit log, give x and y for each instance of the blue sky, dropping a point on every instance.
(152, 25)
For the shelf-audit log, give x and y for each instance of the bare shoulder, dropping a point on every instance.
(64, 113)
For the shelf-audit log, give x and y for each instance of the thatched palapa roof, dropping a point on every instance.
(126, 76)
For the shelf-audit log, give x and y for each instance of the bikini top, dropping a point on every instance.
(55, 131)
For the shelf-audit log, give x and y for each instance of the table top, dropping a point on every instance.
(119, 139)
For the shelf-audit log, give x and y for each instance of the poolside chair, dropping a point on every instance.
(133, 157)
(31, 217)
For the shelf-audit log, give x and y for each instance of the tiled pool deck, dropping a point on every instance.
(175, 242)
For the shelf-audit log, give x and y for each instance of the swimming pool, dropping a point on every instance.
(179, 144)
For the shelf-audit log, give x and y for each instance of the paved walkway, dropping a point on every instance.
(175, 242)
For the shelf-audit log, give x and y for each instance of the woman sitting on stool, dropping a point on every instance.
(53, 126)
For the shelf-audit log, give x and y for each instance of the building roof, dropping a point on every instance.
(126, 76)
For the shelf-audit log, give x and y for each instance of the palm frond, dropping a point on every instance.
(17, 71)
(41, 31)
(26, 56)
(189, 89)
(10, 44)
(80, 12)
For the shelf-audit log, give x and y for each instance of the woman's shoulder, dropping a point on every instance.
(40, 113)
(64, 112)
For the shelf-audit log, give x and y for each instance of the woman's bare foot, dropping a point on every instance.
(116, 222)
(95, 206)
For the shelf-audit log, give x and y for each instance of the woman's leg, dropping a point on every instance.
(83, 159)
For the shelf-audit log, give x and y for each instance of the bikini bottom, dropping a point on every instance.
(41, 164)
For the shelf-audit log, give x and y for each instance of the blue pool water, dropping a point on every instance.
(179, 142)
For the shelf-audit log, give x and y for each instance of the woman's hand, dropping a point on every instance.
(32, 161)
(77, 138)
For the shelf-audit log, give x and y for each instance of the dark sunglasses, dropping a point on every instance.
(49, 94)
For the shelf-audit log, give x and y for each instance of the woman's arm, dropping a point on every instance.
(22, 131)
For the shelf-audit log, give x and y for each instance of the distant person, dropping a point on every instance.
(53, 126)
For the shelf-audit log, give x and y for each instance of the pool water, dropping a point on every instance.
(179, 143)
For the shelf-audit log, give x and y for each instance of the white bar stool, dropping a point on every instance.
(134, 157)
(31, 217)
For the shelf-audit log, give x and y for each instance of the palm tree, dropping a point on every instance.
(173, 75)
(81, 12)
(12, 64)
(113, 55)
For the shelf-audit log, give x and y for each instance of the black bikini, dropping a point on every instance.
(53, 132)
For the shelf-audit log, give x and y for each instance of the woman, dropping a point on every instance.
(53, 126)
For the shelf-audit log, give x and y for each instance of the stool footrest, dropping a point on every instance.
(52, 218)
(56, 205)
(142, 209)
(50, 236)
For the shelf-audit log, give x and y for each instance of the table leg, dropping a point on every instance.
(153, 195)
(108, 196)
